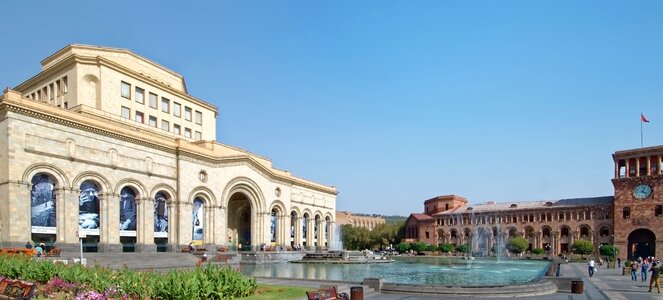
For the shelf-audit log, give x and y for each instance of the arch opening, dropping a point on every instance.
(239, 220)
(641, 243)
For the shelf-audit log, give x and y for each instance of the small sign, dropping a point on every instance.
(81, 234)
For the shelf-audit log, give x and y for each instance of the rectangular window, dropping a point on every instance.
(153, 100)
(126, 90)
(199, 136)
(125, 112)
(165, 125)
(65, 89)
(165, 105)
(187, 113)
(58, 87)
(140, 95)
(199, 118)
(176, 129)
(152, 121)
(177, 109)
(187, 133)
(139, 117)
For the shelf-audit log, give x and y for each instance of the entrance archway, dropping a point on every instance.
(641, 243)
(239, 220)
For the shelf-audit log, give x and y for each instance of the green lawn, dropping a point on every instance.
(269, 292)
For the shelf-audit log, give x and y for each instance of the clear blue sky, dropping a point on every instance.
(394, 102)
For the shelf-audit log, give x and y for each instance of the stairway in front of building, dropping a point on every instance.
(145, 261)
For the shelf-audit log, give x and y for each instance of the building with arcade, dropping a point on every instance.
(110, 146)
(631, 219)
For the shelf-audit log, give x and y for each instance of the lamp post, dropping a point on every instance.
(614, 251)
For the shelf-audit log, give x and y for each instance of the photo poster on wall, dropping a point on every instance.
(160, 216)
(127, 210)
(88, 208)
(197, 220)
(43, 219)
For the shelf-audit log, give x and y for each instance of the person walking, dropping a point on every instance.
(654, 277)
(590, 267)
(634, 271)
(645, 268)
(619, 262)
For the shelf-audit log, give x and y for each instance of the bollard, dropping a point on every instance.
(357, 293)
(577, 287)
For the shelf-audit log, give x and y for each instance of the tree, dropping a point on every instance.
(446, 248)
(419, 246)
(517, 245)
(582, 247)
(610, 251)
(464, 248)
(537, 251)
(431, 248)
(402, 247)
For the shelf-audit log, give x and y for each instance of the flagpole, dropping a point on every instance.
(641, 138)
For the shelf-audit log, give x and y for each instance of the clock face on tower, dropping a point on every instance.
(641, 191)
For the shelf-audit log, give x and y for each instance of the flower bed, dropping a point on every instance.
(75, 281)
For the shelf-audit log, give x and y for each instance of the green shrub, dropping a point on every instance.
(537, 251)
(628, 263)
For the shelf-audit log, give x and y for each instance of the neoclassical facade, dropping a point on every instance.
(632, 219)
(108, 146)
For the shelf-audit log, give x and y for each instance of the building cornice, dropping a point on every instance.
(100, 61)
(12, 101)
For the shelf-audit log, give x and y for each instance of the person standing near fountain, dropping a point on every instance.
(590, 267)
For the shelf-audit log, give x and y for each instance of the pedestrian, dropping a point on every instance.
(634, 271)
(619, 262)
(28, 245)
(645, 268)
(192, 248)
(39, 250)
(590, 267)
(654, 277)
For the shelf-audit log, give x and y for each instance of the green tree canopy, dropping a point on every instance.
(582, 247)
(403, 247)
(609, 250)
(517, 245)
(446, 248)
(419, 246)
(537, 251)
(464, 248)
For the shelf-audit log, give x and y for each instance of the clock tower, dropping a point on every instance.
(638, 203)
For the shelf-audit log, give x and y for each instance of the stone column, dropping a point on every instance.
(109, 229)
(637, 167)
(172, 245)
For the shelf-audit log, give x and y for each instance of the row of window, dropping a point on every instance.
(50, 91)
(658, 212)
(153, 100)
(526, 218)
(165, 125)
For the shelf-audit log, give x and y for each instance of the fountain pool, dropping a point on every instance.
(414, 270)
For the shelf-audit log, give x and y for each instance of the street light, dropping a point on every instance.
(614, 251)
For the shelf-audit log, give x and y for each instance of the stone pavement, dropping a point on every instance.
(606, 284)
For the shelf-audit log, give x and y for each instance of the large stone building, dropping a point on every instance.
(358, 220)
(632, 219)
(109, 145)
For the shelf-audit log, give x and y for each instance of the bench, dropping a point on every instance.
(222, 249)
(55, 252)
(326, 294)
(16, 289)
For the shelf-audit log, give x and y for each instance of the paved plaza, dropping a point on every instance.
(606, 284)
